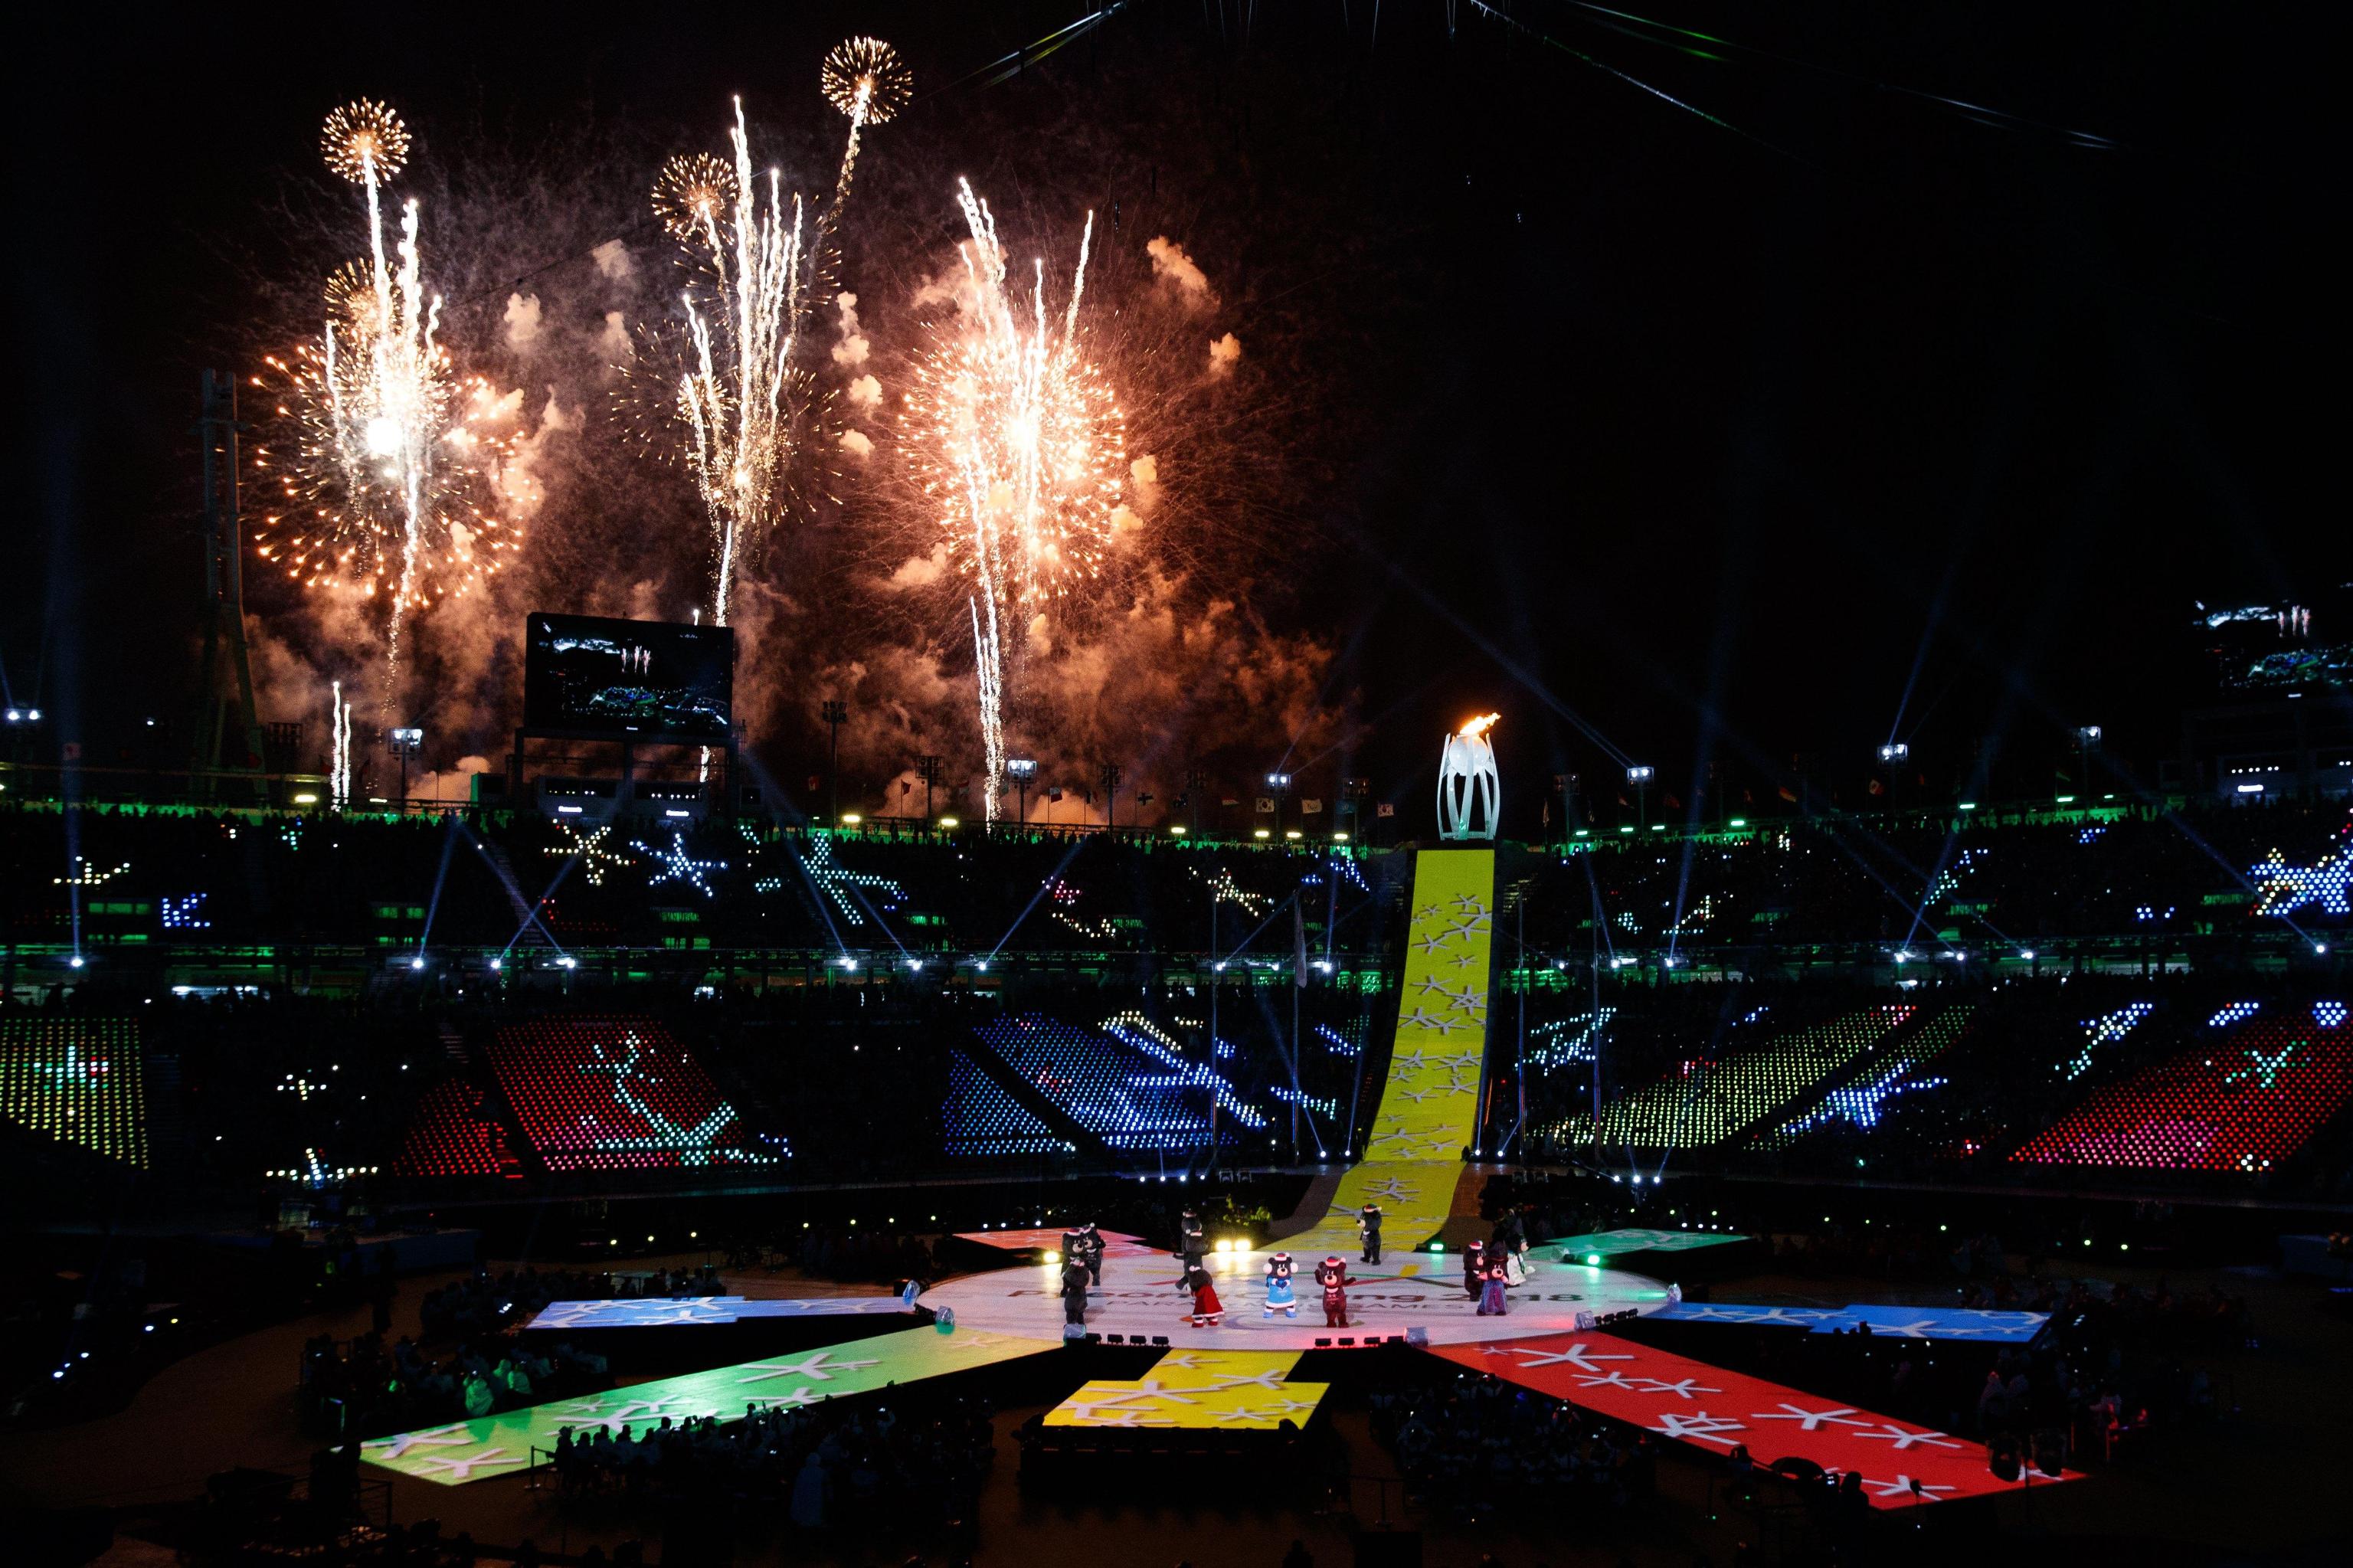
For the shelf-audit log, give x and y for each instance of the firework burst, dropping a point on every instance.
(365, 141)
(383, 464)
(1019, 445)
(866, 79)
(739, 400)
(693, 195)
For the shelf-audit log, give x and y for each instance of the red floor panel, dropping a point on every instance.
(1713, 1410)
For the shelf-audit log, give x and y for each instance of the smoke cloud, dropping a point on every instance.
(523, 322)
(919, 571)
(1171, 265)
(614, 261)
(852, 348)
(1225, 353)
(613, 345)
(518, 478)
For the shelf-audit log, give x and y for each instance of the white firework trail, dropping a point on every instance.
(736, 398)
(339, 761)
(387, 419)
(1021, 444)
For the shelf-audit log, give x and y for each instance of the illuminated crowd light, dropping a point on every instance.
(588, 848)
(674, 864)
(982, 1119)
(1568, 1040)
(2243, 1106)
(1134, 1029)
(600, 1094)
(1224, 889)
(185, 913)
(1096, 1078)
(1861, 1103)
(2282, 888)
(2106, 1030)
(1345, 1039)
(848, 891)
(453, 1135)
(1701, 1104)
(1947, 882)
(77, 1080)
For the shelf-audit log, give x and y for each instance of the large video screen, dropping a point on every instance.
(654, 678)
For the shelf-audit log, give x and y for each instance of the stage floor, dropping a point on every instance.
(1139, 1297)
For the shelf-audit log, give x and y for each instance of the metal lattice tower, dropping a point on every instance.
(226, 737)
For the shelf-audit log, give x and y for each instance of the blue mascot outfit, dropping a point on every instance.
(1278, 1286)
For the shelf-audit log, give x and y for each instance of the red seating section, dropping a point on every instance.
(452, 1136)
(2243, 1102)
(615, 1093)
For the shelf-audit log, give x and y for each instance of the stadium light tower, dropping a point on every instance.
(1112, 776)
(1891, 757)
(1278, 785)
(403, 744)
(1640, 777)
(2087, 741)
(927, 769)
(1021, 769)
(835, 712)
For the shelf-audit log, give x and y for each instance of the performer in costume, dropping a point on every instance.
(1368, 1225)
(1333, 1276)
(1192, 1242)
(1074, 1290)
(1474, 1269)
(1278, 1286)
(1093, 1253)
(1207, 1310)
(1491, 1291)
(1510, 1242)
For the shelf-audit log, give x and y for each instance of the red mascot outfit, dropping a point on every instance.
(1207, 1310)
(1333, 1276)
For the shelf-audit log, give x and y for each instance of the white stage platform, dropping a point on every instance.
(1405, 1290)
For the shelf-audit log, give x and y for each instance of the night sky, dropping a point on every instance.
(1811, 410)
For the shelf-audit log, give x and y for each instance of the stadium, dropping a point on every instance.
(553, 911)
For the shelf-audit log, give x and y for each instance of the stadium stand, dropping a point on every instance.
(2241, 1103)
(77, 1081)
(610, 1094)
(453, 1135)
(1703, 1103)
(983, 1119)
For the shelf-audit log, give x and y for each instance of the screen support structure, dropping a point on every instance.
(625, 791)
(226, 734)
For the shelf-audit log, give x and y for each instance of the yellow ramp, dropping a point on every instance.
(1248, 1390)
(1429, 1105)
